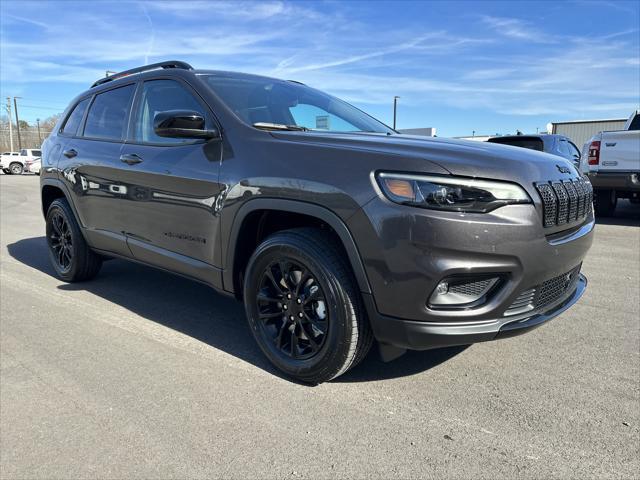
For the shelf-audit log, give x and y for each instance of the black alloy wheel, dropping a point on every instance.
(71, 257)
(292, 309)
(60, 241)
(303, 305)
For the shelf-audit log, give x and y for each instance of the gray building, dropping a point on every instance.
(579, 131)
(427, 132)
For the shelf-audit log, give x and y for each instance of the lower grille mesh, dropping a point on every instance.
(546, 293)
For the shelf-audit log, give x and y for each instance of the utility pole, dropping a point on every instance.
(395, 110)
(15, 105)
(473, 133)
(39, 137)
(10, 122)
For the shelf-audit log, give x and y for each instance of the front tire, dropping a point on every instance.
(303, 305)
(16, 168)
(70, 255)
(605, 202)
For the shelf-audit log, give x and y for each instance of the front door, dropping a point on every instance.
(171, 186)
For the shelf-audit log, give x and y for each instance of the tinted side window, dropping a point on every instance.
(160, 96)
(108, 114)
(635, 123)
(36, 153)
(73, 120)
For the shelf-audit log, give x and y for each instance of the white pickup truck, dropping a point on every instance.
(612, 162)
(13, 163)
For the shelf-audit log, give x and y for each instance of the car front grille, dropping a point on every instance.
(565, 201)
(545, 294)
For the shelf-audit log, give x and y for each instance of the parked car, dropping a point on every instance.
(13, 164)
(33, 166)
(550, 143)
(613, 165)
(8, 158)
(332, 228)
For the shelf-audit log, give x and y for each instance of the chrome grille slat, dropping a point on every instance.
(573, 200)
(565, 201)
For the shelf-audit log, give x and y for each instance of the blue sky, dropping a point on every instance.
(492, 67)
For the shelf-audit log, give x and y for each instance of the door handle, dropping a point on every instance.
(130, 158)
(70, 153)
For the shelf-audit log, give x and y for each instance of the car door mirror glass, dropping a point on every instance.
(182, 124)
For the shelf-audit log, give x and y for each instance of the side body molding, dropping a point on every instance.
(302, 208)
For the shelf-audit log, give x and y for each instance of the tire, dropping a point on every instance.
(605, 202)
(324, 313)
(78, 262)
(6, 171)
(16, 168)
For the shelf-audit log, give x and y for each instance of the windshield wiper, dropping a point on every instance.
(280, 126)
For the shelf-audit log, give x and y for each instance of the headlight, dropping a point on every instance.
(450, 193)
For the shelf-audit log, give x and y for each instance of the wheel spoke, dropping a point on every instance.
(276, 284)
(270, 316)
(55, 226)
(314, 295)
(284, 272)
(304, 278)
(317, 323)
(294, 344)
(61, 257)
(266, 298)
(280, 335)
(310, 338)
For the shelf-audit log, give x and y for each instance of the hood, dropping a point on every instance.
(459, 157)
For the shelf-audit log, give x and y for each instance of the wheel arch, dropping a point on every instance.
(250, 227)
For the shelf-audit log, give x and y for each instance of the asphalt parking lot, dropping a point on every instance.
(141, 374)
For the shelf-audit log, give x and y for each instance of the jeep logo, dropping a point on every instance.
(563, 169)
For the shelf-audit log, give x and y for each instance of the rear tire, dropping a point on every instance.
(315, 329)
(605, 202)
(16, 168)
(70, 255)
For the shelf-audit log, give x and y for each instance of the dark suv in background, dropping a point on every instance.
(333, 229)
(543, 142)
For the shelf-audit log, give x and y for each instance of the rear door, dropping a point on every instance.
(90, 164)
(172, 184)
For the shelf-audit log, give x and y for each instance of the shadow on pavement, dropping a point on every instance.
(198, 311)
(627, 214)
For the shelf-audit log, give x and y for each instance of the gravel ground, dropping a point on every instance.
(141, 374)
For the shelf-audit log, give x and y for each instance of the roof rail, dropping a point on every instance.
(144, 68)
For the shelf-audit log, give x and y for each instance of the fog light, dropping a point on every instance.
(442, 288)
(463, 292)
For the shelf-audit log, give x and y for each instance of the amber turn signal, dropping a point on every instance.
(400, 188)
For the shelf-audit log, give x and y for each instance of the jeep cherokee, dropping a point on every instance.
(332, 228)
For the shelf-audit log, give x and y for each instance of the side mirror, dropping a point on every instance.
(182, 124)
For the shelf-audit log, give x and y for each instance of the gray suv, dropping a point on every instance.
(332, 228)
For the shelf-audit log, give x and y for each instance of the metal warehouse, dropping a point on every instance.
(579, 131)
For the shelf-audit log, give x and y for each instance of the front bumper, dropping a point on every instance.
(412, 335)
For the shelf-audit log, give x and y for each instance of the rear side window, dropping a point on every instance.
(73, 121)
(533, 143)
(160, 96)
(635, 123)
(36, 153)
(108, 114)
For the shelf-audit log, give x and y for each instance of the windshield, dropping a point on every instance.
(259, 100)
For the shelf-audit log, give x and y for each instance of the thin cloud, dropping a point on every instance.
(517, 29)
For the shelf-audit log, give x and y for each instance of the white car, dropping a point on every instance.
(33, 166)
(612, 160)
(13, 163)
